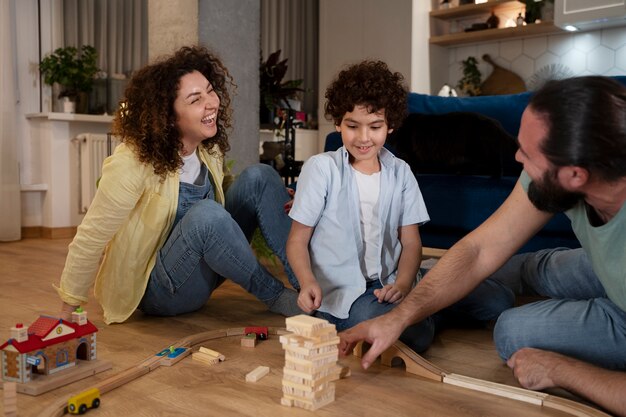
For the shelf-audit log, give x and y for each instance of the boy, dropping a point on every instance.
(354, 243)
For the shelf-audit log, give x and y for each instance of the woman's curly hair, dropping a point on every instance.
(370, 84)
(146, 120)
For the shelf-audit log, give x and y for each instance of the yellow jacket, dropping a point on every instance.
(129, 219)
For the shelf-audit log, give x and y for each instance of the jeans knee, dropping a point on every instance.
(257, 173)
(206, 214)
(503, 334)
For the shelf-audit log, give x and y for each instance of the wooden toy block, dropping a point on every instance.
(310, 362)
(248, 341)
(308, 326)
(204, 358)
(257, 374)
(212, 352)
(10, 399)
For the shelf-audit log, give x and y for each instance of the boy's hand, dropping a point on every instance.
(289, 203)
(391, 293)
(310, 297)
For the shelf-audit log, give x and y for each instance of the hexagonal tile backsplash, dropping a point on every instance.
(601, 52)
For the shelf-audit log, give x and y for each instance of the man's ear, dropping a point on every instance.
(573, 177)
(338, 128)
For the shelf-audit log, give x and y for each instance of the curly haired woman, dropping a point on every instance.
(169, 232)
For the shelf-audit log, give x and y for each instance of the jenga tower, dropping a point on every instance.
(310, 362)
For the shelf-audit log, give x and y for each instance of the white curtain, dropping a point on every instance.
(292, 27)
(118, 29)
(10, 206)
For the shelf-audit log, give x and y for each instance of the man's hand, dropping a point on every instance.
(380, 333)
(532, 367)
(310, 297)
(391, 293)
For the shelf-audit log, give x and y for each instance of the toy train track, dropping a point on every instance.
(414, 363)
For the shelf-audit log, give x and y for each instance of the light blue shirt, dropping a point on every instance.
(328, 200)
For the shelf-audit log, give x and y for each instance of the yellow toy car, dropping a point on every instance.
(78, 404)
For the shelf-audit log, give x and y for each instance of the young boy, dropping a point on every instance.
(354, 243)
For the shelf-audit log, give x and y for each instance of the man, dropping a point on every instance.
(572, 143)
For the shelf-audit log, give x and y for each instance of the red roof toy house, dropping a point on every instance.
(49, 345)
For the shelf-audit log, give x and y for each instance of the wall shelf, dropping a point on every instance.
(467, 10)
(460, 38)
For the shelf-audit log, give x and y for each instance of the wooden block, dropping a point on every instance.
(204, 358)
(257, 374)
(212, 352)
(345, 372)
(248, 341)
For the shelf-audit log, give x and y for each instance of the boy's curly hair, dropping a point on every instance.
(370, 84)
(147, 121)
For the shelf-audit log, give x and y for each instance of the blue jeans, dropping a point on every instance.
(418, 336)
(578, 320)
(210, 243)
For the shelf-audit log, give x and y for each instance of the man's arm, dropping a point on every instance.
(538, 369)
(459, 271)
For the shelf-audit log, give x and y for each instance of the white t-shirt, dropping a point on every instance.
(369, 190)
(190, 169)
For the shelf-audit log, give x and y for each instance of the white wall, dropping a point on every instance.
(353, 30)
(600, 52)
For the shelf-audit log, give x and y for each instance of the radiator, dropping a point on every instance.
(93, 148)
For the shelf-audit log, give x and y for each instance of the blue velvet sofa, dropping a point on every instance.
(457, 204)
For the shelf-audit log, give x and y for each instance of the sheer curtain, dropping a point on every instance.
(10, 206)
(292, 27)
(118, 29)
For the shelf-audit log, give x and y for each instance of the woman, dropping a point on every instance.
(169, 232)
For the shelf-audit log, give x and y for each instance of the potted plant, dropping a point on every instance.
(73, 70)
(470, 83)
(274, 91)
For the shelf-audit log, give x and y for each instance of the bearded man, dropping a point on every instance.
(572, 144)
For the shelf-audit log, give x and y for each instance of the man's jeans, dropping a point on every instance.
(211, 243)
(579, 320)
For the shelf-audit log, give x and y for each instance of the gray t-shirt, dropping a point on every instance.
(605, 245)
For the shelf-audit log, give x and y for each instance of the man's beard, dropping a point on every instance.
(548, 195)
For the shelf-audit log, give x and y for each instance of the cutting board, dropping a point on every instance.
(501, 81)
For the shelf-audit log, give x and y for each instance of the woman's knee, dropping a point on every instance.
(257, 173)
(206, 214)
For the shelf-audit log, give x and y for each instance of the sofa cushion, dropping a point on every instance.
(507, 109)
(458, 143)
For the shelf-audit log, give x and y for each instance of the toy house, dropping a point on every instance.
(49, 345)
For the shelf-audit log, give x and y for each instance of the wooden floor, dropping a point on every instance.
(28, 269)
